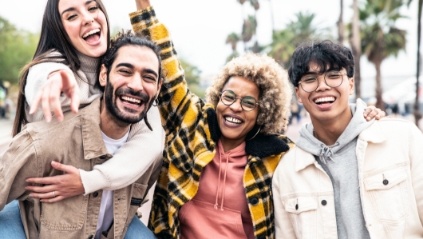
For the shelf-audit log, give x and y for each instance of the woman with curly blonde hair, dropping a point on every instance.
(272, 81)
(220, 155)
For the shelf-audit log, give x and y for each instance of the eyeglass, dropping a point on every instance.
(309, 82)
(248, 103)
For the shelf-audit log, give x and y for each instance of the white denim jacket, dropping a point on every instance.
(390, 162)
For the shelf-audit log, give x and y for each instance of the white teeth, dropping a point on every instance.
(233, 120)
(324, 99)
(94, 31)
(132, 100)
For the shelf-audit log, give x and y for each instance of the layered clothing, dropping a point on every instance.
(77, 141)
(192, 136)
(367, 185)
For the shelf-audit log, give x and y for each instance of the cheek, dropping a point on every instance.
(72, 30)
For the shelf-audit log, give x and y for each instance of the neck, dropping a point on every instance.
(328, 131)
(229, 144)
(110, 126)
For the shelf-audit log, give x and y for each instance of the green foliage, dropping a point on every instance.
(380, 36)
(192, 76)
(300, 30)
(16, 49)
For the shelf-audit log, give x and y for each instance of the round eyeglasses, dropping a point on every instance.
(248, 103)
(310, 83)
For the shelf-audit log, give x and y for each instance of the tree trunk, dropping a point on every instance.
(417, 113)
(340, 23)
(378, 89)
(355, 42)
(272, 17)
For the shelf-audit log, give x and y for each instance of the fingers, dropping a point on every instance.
(48, 197)
(71, 89)
(372, 112)
(65, 185)
(48, 98)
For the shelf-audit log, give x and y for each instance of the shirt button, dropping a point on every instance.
(95, 194)
(324, 202)
(385, 182)
(254, 200)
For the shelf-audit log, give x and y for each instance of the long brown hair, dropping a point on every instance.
(53, 37)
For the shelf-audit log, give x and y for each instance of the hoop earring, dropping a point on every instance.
(156, 102)
(258, 131)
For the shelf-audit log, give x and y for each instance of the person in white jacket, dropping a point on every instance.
(346, 178)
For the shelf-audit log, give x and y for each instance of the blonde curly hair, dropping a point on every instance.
(272, 81)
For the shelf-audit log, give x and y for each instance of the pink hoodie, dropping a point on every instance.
(219, 209)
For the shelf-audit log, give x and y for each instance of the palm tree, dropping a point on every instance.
(355, 42)
(232, 39)
(380, 37)
(340, 23)
(417, 113)
(297, 31)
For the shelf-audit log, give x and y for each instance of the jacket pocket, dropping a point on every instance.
(387, 192)
(303, 214)
(67, 215)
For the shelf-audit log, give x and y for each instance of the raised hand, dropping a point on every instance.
(62, 81)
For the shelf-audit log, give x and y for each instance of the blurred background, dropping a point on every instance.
(383, 34)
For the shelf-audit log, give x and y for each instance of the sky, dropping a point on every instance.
(199, 28)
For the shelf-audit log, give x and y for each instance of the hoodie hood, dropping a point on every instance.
(309, 143)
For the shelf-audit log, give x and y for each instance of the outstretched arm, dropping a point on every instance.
(124, 168)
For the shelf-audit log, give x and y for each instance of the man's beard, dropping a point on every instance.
(116, 112)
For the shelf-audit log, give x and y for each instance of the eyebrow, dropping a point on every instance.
(150, 71)
(72, 8)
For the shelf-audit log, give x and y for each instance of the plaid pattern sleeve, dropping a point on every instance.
(189, 146)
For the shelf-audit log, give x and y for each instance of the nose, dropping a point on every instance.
(321, 84)
(136, 84)
(89, 17)
(236, 106)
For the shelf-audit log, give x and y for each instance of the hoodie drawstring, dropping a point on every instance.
(326, 152)
(219, 188)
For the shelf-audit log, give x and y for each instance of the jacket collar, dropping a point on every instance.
(91, 133)
(261, 146)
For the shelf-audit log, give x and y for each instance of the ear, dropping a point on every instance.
(351, 85)
(103, 76)
(298, 95)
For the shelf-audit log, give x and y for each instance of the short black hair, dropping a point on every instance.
(326, 54)
(125, 38)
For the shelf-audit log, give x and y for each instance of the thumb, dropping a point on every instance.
(62, 167)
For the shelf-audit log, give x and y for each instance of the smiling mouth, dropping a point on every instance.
(232, 120)
(324, 100)
(95, 33)
(131, 100)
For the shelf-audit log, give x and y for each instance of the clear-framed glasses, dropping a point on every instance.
(309, 82)
(248, 103)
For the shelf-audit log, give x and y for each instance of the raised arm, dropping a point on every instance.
(44, 86)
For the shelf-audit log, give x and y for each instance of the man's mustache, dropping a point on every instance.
(136, 94)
